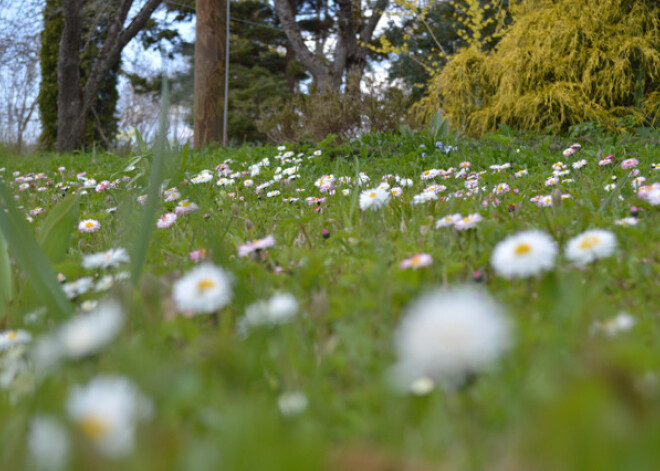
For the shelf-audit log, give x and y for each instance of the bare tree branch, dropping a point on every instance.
(315, 67)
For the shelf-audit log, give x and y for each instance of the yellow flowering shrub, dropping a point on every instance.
(560, 63)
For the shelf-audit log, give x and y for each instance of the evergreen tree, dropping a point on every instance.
(50, 39)
(101, 123)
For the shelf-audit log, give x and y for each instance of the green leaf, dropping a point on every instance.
(30, 256)
(6, 276)
(55, 232)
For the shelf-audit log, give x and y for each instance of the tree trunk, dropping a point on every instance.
(209, 71)
(74, 100)
(349, 56)
(320, 72)
(69, 126)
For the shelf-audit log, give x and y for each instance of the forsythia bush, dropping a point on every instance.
(560, 63)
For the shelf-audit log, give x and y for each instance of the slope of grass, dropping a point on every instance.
(565, 396)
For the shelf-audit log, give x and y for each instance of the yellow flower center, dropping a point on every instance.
(89, 224)
(205, 284)
(12, 335)
(94, 427)
(589, 242)
(522, 249)
(185, 204)
(416, 261)
(372, 194)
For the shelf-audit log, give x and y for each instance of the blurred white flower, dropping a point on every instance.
(448, 221)
(448, 334)
(13, 338)
(524, 254)
(292, 403)
(622, 322)
(468, 222)
(374, 199)
(629, 221)
(87, 334)
(78, 287)
(203, 290)
(48, 444)
(106, 412)
(280, 308)
(590, 245)
(107, 259)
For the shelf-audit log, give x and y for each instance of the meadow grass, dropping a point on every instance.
(570, 393)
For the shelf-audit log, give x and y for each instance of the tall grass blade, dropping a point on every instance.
(148, 220)
(6, 275)
(29, 255)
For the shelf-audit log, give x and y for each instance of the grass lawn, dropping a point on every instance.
(119, 373)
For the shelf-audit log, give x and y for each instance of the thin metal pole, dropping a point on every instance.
(225, 110)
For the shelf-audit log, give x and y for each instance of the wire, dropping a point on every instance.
(239, 20)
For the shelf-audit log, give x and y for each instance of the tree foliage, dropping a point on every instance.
(561, 63)
(422, 36)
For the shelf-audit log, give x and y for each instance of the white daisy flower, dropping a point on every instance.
(428, 174)
(468, 222)
(78, 287)
(204, 176)
(203, 290)
(448, 334)
(622, 322)
(171, 194)
(48, 444)
(87, 334)
(89, 225)
(448, 221)
(280, 308)
(292, 403)
(12, 338)
(374, 199)
(106, 412)
(185, 207)
(225, 182)
(590, 245)
(579, 163)
(423, 197)
(524, 254)
(629, 221)
(501, 189)
(110, 258)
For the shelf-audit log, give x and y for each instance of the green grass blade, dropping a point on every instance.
(6, 276)
(29, 255)
(152, 203)
(56, 230)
